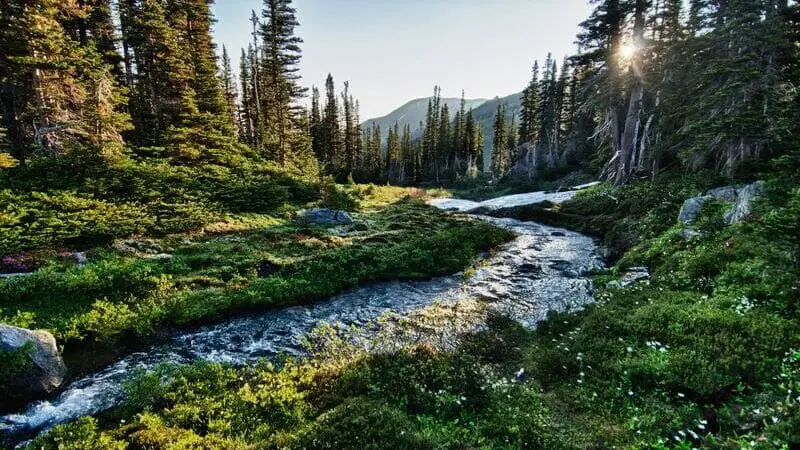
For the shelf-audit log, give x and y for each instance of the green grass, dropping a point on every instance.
(706, 355)
(216, 273)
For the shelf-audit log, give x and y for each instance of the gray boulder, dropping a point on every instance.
(691, 209)
(740, 196)
(325, 217)
(743, 204)
(726, 194)
(46, 370)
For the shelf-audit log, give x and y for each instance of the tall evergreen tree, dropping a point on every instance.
(393, 155)
(247, 104)
(229, 89)
(500, 153)
(162, 96)
(55, 90)
(332, 146)
(408, 165)
(316, 125)
(281, 58)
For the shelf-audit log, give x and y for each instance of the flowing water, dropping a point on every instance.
(543, 269)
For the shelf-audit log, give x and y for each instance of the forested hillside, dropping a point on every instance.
(413, 113)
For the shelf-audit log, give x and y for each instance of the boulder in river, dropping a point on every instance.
(45, 371)
(325, 217)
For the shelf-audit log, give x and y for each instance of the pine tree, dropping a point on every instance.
(500, 156)
(192, 21)
(408, 167)
(316, 125)
(458, 144)
(529, 120)
(374, 164)
(247, 108)
(350, 130)
(55, 91)
(474, 143)
(161, 96)
(281, 58)
(444, 139)
(393, 155)
(332, 145)
(229, 89)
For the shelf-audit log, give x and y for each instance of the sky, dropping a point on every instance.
(393, 51)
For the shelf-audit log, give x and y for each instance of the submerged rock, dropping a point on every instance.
(324, 216)
(46, 370)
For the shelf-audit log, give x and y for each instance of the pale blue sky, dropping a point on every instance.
(393, 51)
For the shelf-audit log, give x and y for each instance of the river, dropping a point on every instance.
(543, 269)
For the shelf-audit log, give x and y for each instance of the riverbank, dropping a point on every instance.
(702, 353)
(248, 263)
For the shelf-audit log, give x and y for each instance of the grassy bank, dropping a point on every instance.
(707, 354)
(248, 262)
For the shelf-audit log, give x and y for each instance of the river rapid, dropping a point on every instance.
(543, 269)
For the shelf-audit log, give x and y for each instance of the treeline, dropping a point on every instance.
(144, 77)
(655, 87)
(444, 150)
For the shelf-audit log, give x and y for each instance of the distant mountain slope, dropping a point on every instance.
(485, 114)
(415, 111)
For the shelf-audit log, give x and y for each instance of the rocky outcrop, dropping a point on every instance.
(743, 205)
(45, 371)
(741, 197)
(324, 217)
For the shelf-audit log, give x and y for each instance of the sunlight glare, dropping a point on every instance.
(628, 51)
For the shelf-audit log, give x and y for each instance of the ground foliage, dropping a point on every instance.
(704, 355)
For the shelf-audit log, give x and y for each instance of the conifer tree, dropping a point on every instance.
(247, 109)
(350, 130)
(408, 167)
(316, 125)
(529, 120)
(458, 143)
(393, 155)
(55, 90)
(500, 153)
(229, 89)
(281, 58)
(331, 136)
(161, 96)
(444, 141)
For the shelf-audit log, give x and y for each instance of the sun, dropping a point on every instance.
(627, 51)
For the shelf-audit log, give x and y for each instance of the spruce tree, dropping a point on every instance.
(56, 90)
(316, 125)
(393, 155)
(408, 166)
(247, 104)
(162, 96)
(500, 155)
(229, 89)
(332, 141)
(282, 56)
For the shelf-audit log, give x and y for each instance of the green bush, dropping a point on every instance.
(364, 424)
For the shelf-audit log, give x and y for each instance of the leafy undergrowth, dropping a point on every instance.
(706, 354)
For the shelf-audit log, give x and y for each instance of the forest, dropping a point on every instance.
(150, 188)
